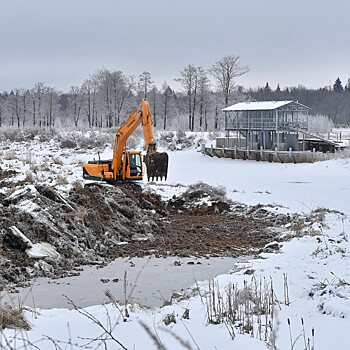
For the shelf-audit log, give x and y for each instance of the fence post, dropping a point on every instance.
(235, 151)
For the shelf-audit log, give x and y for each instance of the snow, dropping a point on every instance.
(16, 232)
(299, 187)
(311, 264)
(260, 105)
(42, 250)
(315, 264)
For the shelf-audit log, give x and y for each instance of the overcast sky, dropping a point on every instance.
(61, 42)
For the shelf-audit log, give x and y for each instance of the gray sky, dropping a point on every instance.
(61, 42)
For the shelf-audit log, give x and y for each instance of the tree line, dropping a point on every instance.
(105, 98)
(332, 101)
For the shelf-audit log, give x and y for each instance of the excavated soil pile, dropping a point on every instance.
(46, 234)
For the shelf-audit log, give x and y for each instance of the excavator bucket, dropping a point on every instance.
(157, 165)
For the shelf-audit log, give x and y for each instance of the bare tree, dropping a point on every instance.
(122, 87)
(167, 92)
(88, 96)
(203, 83)
(189, 79)
(145, 82)
(17, 107)
(37, 107)
(103, 82)
(154, 93)
(2, 104)
(26, 97)
(52, 106)
(75, 103)
(225, 73)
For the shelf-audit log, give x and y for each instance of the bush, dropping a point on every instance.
(13, 318)
(68, 143)
(201, 190)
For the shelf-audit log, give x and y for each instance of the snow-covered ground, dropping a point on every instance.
(310, 274)
(298, 187)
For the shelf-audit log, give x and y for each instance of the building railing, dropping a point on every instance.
(265, 125)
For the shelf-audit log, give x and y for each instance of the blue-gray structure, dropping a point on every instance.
(267, 125)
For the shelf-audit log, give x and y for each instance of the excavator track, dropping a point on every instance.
(157, 165)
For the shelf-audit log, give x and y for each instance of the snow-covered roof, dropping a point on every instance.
(260, 106)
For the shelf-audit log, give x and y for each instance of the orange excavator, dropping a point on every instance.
(126, 165)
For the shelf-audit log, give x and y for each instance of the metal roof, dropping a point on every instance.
(260, 106)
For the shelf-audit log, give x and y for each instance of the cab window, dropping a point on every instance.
(135, 164)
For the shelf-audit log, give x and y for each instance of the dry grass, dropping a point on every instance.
(68, 143)
(9, 155)
(29, 177)
(13, 318)
(250, 309)
(57, 160)
(62, 180)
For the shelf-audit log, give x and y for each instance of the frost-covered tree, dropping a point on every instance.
(167, 103)
(88, 90)
(145, 82)
(75, 103)
(225, 73)
(347, 86)
(203, 97)
(154, 97)
(189, 79)
(320, 123)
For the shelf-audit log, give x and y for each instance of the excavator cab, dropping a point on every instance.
(132, 164)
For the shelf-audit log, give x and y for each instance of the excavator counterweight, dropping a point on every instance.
(126, 165)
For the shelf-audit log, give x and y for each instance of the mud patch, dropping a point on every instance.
(97, 223)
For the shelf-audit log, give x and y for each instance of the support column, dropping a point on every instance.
(277, 135)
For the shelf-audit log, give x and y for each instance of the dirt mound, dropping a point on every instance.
(87, 227)
(46, 234)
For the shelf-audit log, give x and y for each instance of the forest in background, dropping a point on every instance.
(106, 98)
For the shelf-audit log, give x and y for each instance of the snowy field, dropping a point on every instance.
(298, 298)
(296, 187)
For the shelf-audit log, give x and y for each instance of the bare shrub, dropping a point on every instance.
(76, 185)
(68, 143)
(9, 155)
(46, 135)
(28, 157)
(202, 190)
(57, 161)
(29, 177)
(94, 140)
(13, 318)
(62, 180)
(250, 309)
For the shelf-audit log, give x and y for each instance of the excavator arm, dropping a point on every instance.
(122, 135)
